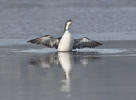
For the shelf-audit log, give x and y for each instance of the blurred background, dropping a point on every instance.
(97, 19)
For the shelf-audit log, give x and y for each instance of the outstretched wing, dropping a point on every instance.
(46, 40)
(85, 43)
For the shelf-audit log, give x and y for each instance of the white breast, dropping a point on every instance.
(66, 42)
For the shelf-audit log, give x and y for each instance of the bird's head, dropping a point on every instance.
(69, 22)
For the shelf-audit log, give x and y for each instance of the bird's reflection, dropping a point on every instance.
(45, 61)
(66, 60)
(49, 60)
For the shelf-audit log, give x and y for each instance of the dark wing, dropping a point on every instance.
(46, 40)
(85, 43)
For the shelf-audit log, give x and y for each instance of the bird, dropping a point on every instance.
(66, 42)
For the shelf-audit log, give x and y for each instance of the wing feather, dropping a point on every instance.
(46, 40)
(85, 43)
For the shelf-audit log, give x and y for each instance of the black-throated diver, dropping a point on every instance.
(65, 42)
